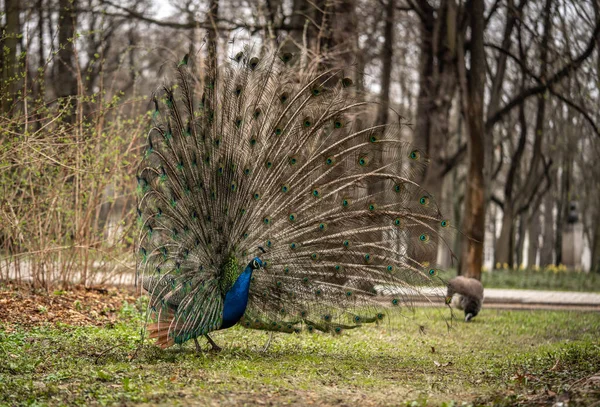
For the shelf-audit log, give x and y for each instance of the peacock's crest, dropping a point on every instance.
(256, 161)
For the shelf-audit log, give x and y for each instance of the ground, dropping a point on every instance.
(82, 347)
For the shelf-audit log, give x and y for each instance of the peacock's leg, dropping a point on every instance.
(198, 349)
(215, 347)
(268, 344)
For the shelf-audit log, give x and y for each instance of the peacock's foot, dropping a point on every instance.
(215, 347)
(198, 348)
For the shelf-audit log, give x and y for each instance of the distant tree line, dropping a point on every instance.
(502, 95)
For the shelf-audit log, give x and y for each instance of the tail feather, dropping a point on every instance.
(161, 332)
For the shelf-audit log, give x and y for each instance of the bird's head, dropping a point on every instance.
(255, 264)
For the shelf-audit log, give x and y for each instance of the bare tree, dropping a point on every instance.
(472, 89)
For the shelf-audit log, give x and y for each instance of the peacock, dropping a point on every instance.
(470, 295)
(265, 200)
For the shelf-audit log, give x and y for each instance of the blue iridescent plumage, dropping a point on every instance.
(236, 298)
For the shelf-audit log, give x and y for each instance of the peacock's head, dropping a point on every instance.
(255, 264)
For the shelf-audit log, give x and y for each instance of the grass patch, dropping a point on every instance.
(503, 357)
(542, 280)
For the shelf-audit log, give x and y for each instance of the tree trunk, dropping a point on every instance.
(504, 246)
(519, 201)
(512, 14)
(387, 54)
(212, 36)
(41, 50)
(437, 87)
(595, 246)
(474, 218)
(9, 79)
(338, 22)
(520, 241)
(303, 33)
(65, 74)
(546, 253)
(562, 205)
(504, 243)
(534, 231)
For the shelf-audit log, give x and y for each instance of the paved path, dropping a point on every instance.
(537, 299)
(513, 298)
(541, 297)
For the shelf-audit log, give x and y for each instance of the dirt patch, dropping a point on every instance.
(77, 305)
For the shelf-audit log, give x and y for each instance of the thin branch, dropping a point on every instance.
(492, 12)
(495, 199)
(586, 115)
(538, 198)
(543, 87)
(190, 24)
(422, 8)
(451, 162)
(579, 108)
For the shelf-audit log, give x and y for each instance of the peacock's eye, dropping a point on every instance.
(347, 82)
(286, 57)
(254, 264)
(253, 63)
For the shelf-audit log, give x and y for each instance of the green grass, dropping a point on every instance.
(542, 280)
(502, 357)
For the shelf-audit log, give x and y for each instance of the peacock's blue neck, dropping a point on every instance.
(236, 299)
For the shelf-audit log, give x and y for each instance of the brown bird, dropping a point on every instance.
(470, 295)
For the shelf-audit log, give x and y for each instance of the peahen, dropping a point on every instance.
(470, 295)
(263, 200)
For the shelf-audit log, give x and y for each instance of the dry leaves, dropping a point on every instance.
(75, 306)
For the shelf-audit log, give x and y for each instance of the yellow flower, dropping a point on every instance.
(505, 266)
(497, 265)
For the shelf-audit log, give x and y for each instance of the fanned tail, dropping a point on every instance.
(258, 156)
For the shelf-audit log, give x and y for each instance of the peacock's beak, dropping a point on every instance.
(448, 299)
